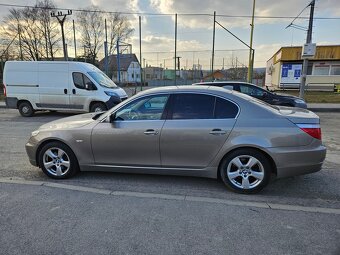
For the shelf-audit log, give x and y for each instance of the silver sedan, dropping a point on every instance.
(188, 130)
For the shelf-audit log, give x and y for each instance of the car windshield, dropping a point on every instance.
(102, 79)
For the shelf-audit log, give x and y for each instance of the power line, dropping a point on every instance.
(166, 14)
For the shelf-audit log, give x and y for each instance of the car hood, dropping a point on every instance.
(287, 96)
(76, 121)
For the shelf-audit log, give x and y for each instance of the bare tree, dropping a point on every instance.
(48, 27)
(34, 32)
(92, 31)
(118, 27)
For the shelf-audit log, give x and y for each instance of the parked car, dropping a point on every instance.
(259, 93)
(188, 130)
(54, 85)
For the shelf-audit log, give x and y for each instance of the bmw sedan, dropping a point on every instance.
(259, 93)
(188, 130)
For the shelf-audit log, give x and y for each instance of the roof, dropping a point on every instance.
(124, 59)
(293, 53)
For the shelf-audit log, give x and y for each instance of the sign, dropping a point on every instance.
(291, 73)
(308, 50)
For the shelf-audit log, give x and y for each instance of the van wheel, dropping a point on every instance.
(26, 109)
(98, 107)
(245, 171)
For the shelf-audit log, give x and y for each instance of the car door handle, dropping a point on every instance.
(217, 131)
(73, 91)
(65, 91)
(151, 132)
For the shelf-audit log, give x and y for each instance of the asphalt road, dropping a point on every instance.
(108, 213)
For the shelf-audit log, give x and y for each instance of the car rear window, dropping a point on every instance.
(225, 109)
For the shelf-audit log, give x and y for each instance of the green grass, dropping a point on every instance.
(316, 96)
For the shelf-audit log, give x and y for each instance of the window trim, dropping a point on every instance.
(169, 104)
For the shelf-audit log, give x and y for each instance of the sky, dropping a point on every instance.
(195, 32)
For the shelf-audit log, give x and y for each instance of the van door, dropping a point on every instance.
(82, 90)
(53, 86)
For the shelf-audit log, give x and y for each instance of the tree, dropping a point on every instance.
(34, 31)
(92, 31)
(118, 26)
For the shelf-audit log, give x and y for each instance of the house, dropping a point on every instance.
(129, 68)
(153, 73)
(284, 68)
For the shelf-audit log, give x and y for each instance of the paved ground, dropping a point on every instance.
(145, 214)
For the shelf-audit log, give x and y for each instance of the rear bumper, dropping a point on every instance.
(298, 161)
(11, 102)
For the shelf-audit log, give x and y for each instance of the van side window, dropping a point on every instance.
(78, 80)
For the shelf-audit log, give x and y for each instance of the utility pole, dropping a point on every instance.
(175, 47)
(118, 61)
(308, 41)
(140, 53)
(251, 55)
(74, 40)
(105, 51)
(213, 48)
(61, 19)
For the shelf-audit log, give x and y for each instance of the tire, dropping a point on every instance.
(26, 109)
(242, 178)
(52, 161)
(98, 107)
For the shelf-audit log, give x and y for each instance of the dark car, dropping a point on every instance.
(259, 93)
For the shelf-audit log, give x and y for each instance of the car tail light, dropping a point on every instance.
(5, 90)
(313, 130)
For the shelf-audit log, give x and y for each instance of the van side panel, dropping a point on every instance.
(53, 86)
(21, 80)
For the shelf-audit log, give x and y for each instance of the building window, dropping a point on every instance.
(321, 70)
(335, 70)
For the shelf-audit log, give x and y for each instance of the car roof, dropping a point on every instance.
(187, 88)
(223, 82)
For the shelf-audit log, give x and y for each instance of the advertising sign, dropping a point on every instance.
(291, 73)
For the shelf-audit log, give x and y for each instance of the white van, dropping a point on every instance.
(54, 85)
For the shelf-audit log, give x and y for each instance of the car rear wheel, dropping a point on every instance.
(245, 171)
(98, 107)
(26, 109)
(58, 161)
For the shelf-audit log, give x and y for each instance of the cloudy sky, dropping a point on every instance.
(195, 31)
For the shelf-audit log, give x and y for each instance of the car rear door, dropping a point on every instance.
(195, 130)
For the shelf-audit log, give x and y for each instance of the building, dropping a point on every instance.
(153, 73)
(129, 68)
(284, 68)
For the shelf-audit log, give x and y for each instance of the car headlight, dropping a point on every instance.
(111, 94)
(299, 101)
(34, 133)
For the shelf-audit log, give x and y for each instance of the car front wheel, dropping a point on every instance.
(245, 171)
(58, 161)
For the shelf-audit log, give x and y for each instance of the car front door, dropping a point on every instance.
(80, 93)
(195, 130)
(131, 138)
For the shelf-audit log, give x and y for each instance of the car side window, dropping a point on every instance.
(78, 80)
(225, 109)
(193, 106)
(146, 108)
(251, 90)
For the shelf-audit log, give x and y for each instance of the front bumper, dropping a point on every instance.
(297, 161)
(31, 150)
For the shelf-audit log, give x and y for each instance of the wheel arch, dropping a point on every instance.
(266, 154)
(23, 101)
(42, 144)
(95, 102)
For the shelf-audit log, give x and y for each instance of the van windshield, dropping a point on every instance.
(102, 79)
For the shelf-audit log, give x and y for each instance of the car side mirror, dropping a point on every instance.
(110, 118)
